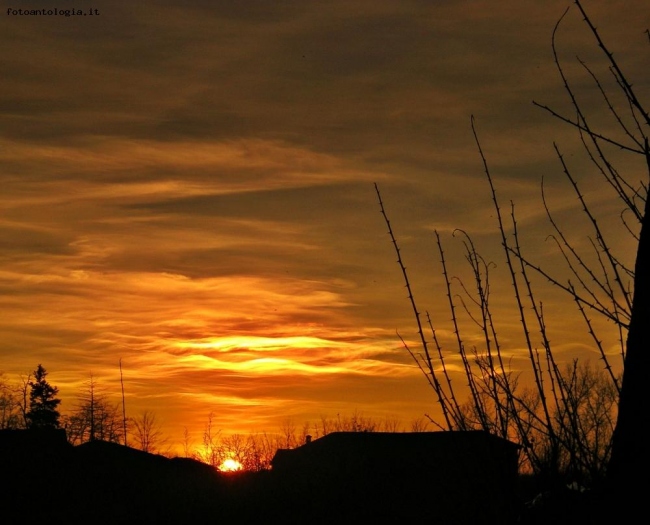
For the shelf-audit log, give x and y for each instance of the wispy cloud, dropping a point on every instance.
(189, 188)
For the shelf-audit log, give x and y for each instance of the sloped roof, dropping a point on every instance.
(406, 450)
(408, 439)
(445, 477)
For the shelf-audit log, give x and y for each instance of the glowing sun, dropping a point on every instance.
(230, 465)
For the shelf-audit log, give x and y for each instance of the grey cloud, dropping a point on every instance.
(23, 242)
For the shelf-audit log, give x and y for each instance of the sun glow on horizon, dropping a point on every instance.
(231, 465)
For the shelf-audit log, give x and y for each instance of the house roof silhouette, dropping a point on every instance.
(450, 477)
(348, 452)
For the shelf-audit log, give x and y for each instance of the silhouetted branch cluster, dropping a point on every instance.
(254, 451)
(565, 418)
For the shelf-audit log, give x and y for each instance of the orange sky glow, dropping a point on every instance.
(189, 189)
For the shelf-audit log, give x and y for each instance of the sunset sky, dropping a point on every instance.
(188, 187)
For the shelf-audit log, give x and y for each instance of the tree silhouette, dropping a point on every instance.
(630, 455)
(94, 418)
(10, 409)
(43, 411)
(600, 282)
(148, 433)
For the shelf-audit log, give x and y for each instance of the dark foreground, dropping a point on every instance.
(105, 483)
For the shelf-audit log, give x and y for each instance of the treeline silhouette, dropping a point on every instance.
(345, 480)
(84, 471)
(94, 415)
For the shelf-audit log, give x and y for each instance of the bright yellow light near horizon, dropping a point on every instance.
(298, 355)
(259, 343)
(230, 465)
(261, 365)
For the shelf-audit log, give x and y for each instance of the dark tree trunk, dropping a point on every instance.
(629, 466)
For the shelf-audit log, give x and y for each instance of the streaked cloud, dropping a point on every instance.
(189, 188)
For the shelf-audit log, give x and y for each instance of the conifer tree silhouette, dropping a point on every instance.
(43, 403)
